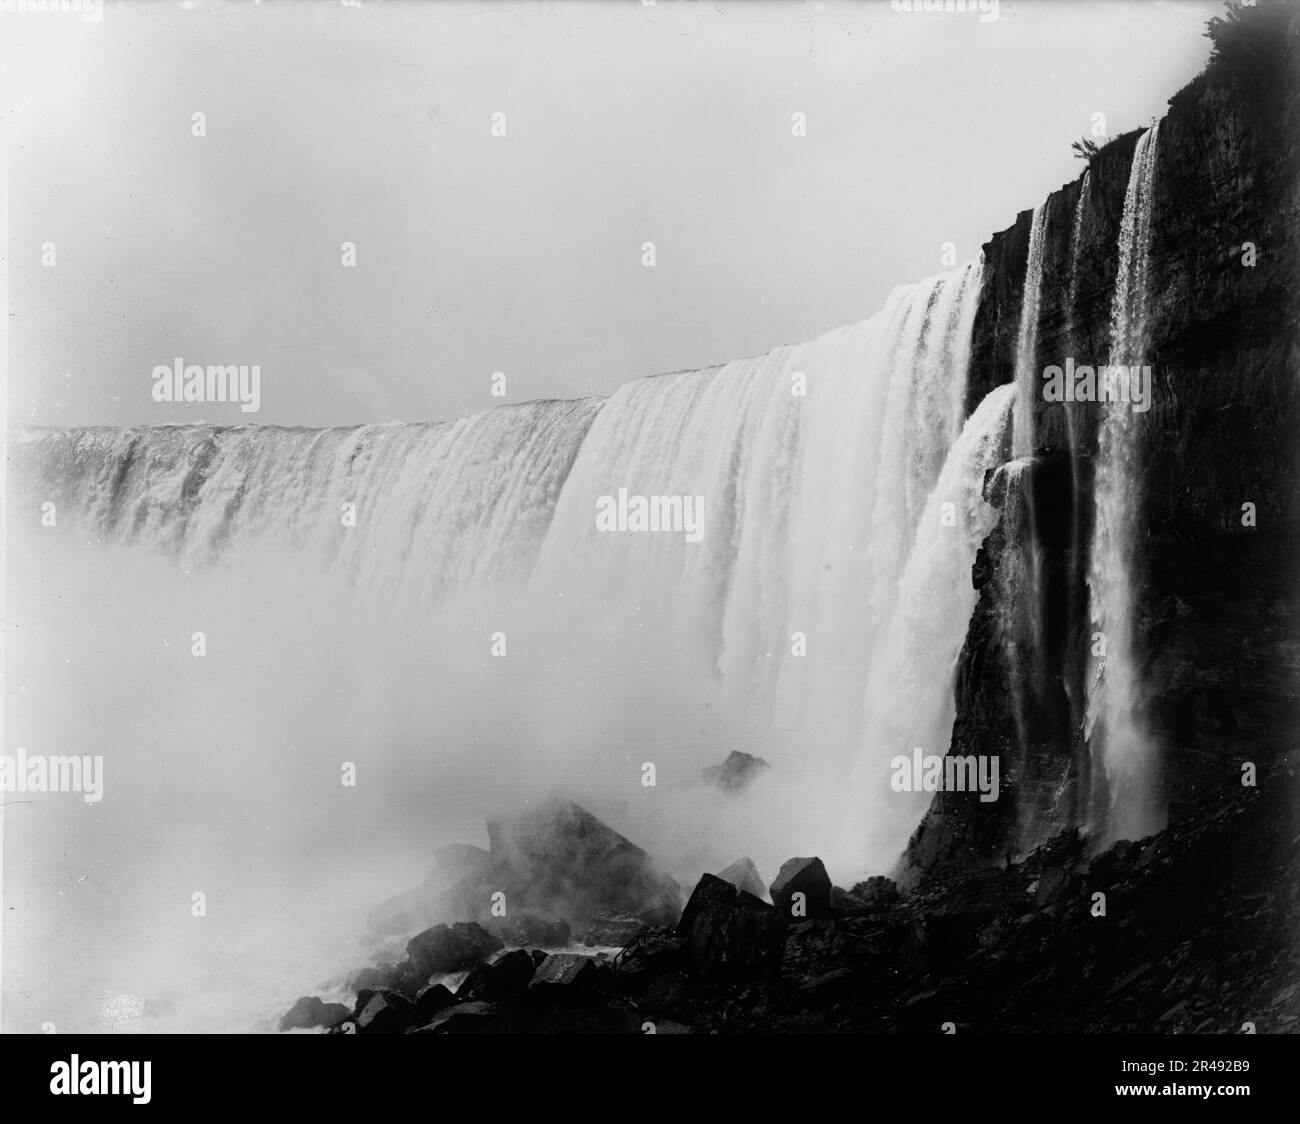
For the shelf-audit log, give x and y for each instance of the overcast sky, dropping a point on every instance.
(625, 123)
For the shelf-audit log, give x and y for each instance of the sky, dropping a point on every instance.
(625, 123)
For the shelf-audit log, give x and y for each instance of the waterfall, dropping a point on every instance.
(827, 571)
(1076, 245)
(1028, 385)
(909, 697)
(436, 507)
(810, 501)
(1118, 737)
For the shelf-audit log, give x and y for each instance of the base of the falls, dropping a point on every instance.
(1015, 948)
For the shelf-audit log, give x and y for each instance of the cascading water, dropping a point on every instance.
(1076, 248)
(436, 507)
(1118, 735)
(809, 502)
(1027, 381)
(909, 697)
(472, 637)
(1028, 598)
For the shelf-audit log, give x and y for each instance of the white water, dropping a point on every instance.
(1117, 735)
(1028, 384)
(1076, 245)
(910, 700)
(373, 645)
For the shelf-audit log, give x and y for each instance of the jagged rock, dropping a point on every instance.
(803, 876)
(431, 1000)
(310, 1011)
(669, 994)
(736, 772)
(875, 893)
(1052, 888)
(560, 858)
(502, 980)
(566, 970)
(464, 1018)
(384, 1012)
(743, 874)
(447, 948)
(729, 933)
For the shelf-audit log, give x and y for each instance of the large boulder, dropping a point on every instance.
(430, 1001)
(504, 979)
(310, 1011)
(743, 874)
(737, 771)
(567, 972)
(559, 859)
(448, 948)
(728, 933)
(384, 1012)
(807, 877)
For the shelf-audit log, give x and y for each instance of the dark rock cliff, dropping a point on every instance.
(1217, 583)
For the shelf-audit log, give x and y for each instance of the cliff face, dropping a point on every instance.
(1215, 584)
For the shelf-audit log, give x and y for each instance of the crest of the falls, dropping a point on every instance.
(435, 507)
(1118, 734)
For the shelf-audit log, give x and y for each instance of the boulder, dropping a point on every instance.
(875, 894)
(310, 1011)
(431, 1000)
(504, 979)
(566, 971)
(736, 772)
(384, 1012)
(560, 859)
(802, 876)
(743, 874)
(449, 948)
(464, 1018)
(728, 933)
